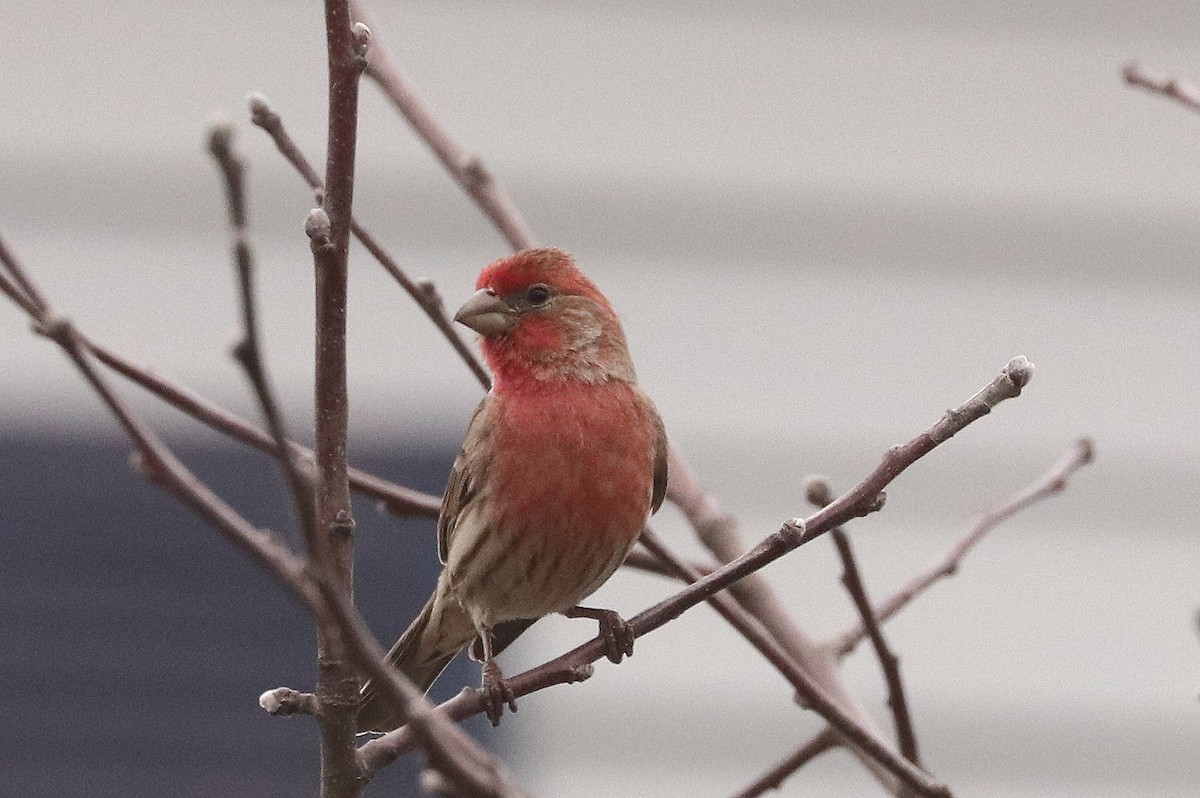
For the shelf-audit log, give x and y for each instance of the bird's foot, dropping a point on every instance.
(496, 693)
(618, 635)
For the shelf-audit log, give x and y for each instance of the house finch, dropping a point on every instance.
(561, 465)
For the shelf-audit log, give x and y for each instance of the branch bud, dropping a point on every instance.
(318, 229)
(261, 113)
(220, 139)
(284, 701)
(818, 491)
(1019, 371)
(362, 40)
(271, 701)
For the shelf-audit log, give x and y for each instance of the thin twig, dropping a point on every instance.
(1052, 482)
(774, 778)
(10, 289)
(905, 735)
(24, 293)
(423, 292)
(575, 665)
(466, 169)
(248, 351)
(1181, 91)
(819, 494)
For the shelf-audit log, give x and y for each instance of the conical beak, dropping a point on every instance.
(486, 314)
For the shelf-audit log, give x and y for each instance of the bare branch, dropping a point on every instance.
(248, 351)
(331, 549)
(10, 288)
(906, 737)
(819, 494)
(718, 531)
(1054, 481)
(1181, 91)
(22, 291)
(774, 778)
(424, 292)
(466, 169)
(233, 172)
(865, 497)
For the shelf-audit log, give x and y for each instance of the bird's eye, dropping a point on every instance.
(538, 294)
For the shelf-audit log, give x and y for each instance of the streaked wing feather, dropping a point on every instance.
(659, 490)
(461, 487)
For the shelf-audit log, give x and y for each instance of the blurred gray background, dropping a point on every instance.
(823, 223)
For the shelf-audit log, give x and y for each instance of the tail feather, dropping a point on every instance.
(438, 632)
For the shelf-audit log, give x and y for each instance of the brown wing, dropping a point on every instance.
(463, 483)
(659, 490)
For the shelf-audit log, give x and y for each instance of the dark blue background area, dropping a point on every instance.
(134, 641)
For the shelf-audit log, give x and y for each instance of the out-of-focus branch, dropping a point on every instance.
(423, 292)
(466, 169)
(20, 289)
(642, 560)
(774, 778)
(1052, 482)
(1181, 91)
(718, 531)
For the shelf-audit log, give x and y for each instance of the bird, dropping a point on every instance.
(561, 466)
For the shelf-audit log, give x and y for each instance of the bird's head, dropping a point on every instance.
(542, 319)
